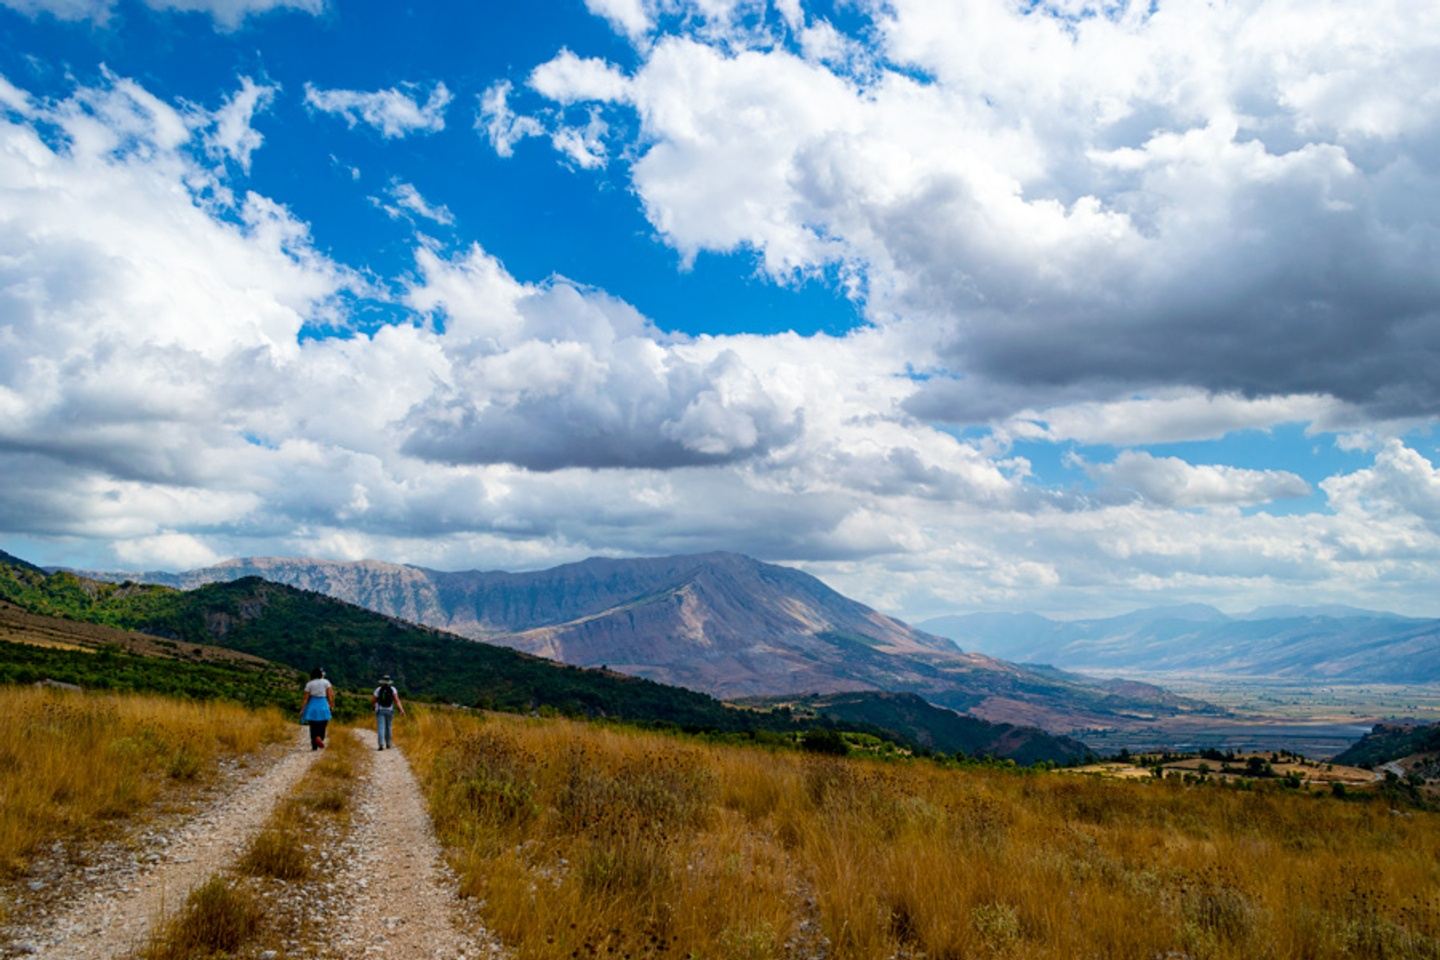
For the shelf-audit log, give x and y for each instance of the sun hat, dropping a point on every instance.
(385, 679)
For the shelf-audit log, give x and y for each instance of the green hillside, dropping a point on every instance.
(1387, 742)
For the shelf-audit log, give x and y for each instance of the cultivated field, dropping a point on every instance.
(587, 841)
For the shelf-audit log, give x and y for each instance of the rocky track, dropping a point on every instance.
(387, 892)
(122, 905)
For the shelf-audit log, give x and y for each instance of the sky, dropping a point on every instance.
(1071, 306)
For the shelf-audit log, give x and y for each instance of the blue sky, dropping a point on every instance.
(536, 215)
(1067, 306)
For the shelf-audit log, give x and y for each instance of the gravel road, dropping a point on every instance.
(113, 920)
(400, 898)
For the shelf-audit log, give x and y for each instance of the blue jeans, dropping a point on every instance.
(384, 716)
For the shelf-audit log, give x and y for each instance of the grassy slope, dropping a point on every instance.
(583, 840)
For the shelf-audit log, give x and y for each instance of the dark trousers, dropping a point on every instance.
(317, 733)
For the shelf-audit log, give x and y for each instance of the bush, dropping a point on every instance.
(826, 741)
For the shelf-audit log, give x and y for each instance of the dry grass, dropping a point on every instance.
(284, 848)
(72, 760)
(219, 917)
(587, 841)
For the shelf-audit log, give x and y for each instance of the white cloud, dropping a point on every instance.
(1084, 200)
(1401, 482)
(165, 551)
(500, 124)
(583, 146)
(393, 111)
(1172, 482)
(158, 401)
(227, 14)
(233, 135)
(407, 200)
(1171, 416)
(568, 78)
(630, 17)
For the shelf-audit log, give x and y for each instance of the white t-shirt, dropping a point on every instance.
(317, 688)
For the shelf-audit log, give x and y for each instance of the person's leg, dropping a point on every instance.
(314, 735)
(379, 729)
(386, 718)
(320, 726)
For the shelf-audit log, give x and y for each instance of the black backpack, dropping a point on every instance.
(386, 696)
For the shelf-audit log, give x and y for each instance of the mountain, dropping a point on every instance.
(720, 623)
(59, 625)
(1388, 742)
(1333, 644)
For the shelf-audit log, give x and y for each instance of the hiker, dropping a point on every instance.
(385, 700)
(319, 704)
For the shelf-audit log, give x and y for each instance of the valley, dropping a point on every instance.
(1317, 720)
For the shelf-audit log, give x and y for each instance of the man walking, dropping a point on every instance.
(385, 700)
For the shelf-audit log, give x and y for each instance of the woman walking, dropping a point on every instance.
(319, 705)
(385, 700)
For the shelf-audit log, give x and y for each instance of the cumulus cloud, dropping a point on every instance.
(568, 78)
(1079, 204)
(160, 398)
(568, 379)
(1172, 482)
(392, 111)
(1401, 482)
(227, 14)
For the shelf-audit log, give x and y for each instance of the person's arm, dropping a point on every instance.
(374, 698)
(398, 705)
(330, 696)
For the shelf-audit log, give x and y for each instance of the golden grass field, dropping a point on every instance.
(591, 841)
(71, 762)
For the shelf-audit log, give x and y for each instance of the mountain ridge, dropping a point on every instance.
(721, 623)
(297, 629)
(1330, 643)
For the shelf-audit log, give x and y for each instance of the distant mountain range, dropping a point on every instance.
(1334, 644)
(720, 623)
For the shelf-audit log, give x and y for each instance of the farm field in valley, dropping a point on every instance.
(1269, 714)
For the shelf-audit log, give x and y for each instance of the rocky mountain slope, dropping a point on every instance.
(1334, 644)
(721, 623)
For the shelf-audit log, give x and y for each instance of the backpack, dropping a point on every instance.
(386, 696)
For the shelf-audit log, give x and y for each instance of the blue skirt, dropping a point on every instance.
(317, 708)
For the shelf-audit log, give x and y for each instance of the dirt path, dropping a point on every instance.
(400, 899)
(113, 920)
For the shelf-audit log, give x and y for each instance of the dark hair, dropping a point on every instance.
(317, 673)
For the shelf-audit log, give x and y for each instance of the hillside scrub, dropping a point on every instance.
(583, 840)
(73, 761)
